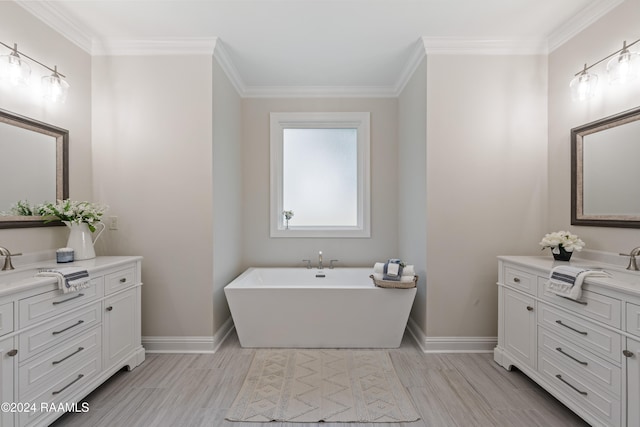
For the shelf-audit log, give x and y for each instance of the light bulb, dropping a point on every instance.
(54, 87)
(14, 69)
(583, 86)
(623, 67)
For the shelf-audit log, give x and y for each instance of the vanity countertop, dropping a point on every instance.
(24, 277)
(621, 280)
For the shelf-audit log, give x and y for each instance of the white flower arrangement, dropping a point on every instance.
(21, 208)
(73, 212)
(570, 242)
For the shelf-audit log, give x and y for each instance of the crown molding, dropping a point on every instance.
(155, 46)
(418, 53)
(319, 92)
(580, 21)
(223, 59)
(475, 46)
(51, 15)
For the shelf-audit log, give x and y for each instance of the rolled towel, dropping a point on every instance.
(378, 267)
(408, 270)
(403, 278)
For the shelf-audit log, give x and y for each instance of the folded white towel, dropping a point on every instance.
(566, 281)
(70, 279)
(393, 269)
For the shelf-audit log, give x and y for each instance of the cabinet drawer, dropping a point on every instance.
(577, 389)
(633, 319)
(582, 332)
(56, 331)
(597, 370)
(62, 389)
(58, 362)
(602, 308)
(43, 306)
(6, 318)
(520, 280)
(121, 279)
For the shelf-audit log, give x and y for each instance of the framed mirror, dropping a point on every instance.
(605, 177)
(34, 167)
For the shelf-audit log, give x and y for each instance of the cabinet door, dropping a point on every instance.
(7, 366)
(632, 353)
(520, 327)
(119, 326)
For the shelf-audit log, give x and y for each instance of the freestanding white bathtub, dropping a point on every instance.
(310, 308)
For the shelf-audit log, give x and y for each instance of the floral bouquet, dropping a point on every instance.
(73, 212)
(562, 241)
(21, 208)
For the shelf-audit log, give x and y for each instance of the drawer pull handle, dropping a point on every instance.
(80, 322)
(123, 280)
(559, 349)
(516, 279)
(558, 376)
(559, 322)
(65, 358)
(574, 300)
(529, 308)
(12, 352)
(626, 353)
(68, 385)
(109, 308)
(68, 299)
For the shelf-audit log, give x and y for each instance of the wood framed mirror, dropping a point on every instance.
(605, 176)
(34, 167)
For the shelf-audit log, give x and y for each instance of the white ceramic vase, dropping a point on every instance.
(81, 240)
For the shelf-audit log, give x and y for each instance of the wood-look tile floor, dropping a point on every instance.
(197, 390)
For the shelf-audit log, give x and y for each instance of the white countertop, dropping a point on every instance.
(621, 279)
(24, 277)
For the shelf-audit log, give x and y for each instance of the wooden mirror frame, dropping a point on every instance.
(62, 167)
(578, 217)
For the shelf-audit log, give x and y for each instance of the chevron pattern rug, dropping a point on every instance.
(322, 386)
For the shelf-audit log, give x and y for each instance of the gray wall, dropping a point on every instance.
(47, 46)
(595, 42)
(261, 250)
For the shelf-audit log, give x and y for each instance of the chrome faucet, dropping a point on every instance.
(632, 259)
(7, 259)
(320, 267)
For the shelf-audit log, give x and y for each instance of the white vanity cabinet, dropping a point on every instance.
(586, 353)
(7, 368)
(59, 347)
(632, 356)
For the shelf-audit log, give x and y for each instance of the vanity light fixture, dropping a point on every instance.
(18, 72)
(623, 66)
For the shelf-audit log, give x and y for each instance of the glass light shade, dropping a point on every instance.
(14, 69)
(55, 88)
(583, 86)
(623, 67)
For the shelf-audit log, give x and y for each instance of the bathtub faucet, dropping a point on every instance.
(320, 260)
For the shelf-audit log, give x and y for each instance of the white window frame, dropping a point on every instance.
(335, 120)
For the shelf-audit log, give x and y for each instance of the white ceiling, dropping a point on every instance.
(320, 43)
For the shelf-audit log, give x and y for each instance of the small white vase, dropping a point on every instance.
(81, 241)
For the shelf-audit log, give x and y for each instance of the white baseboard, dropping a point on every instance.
(204, 344)
(450, 344)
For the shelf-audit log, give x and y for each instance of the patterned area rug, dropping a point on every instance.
(322, 385)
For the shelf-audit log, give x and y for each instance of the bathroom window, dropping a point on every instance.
(320, 172)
